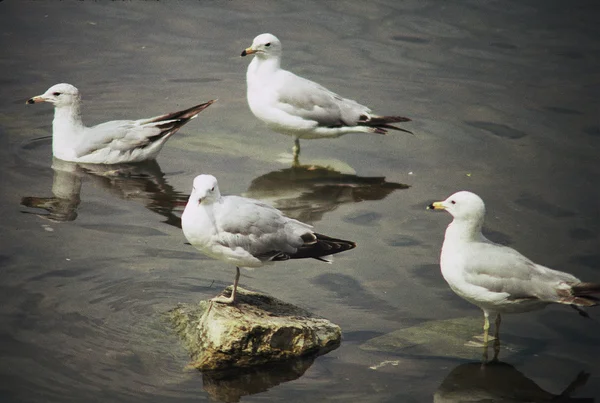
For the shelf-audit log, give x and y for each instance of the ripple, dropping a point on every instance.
(36, 152)
(195, 80)
(403, 241)
(124, 229)
(592, 131)
(499, 130)
(502, 45)
(563, 111)
(582, 234)
(410, 39)
(365, 218)
(541, 206)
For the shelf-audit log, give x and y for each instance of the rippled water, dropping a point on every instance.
(504, 98)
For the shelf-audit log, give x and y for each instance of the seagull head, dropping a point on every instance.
(264, 46)
(59, 95)
(205, 190)
(462, 205)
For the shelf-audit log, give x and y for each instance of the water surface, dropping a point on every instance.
(504, 102)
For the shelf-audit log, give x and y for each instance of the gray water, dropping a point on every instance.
(504, 98)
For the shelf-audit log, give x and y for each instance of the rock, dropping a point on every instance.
(258, 329)
(457, 338)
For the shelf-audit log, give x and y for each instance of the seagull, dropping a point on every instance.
(303, 109)
(496, 278)
(115, 142)
(249, 233)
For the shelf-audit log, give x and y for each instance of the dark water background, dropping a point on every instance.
(505, 102)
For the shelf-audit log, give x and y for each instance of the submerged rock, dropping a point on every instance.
(257, 330)
(458, 338)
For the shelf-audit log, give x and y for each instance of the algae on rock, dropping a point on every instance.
(258, 329)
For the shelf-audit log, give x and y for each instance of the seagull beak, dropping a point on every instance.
(36, 100)
(436, 206)
(248, 51)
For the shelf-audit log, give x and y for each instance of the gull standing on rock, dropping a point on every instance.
(115, 142)
(301, 108)
(249, 233)
(496, 278)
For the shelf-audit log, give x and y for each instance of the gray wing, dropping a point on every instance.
(309, 100)
(258, 228)
(127, 135)
(121, 135)
(502, 269)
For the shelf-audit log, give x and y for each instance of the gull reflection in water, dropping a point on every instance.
(230, 386)
(306, 192)
(142, 182)
(498, 381)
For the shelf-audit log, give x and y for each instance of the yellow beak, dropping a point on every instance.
(436, 206)
(248, 51)
(35, 100)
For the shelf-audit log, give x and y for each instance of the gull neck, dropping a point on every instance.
(67, 118)
(461, 230)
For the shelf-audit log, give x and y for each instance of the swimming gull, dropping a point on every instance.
(496, 278)
(249, 233)
(115, 142)
(301, 108)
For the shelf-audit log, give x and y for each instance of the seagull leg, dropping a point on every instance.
(486, 332)
(497, 338)
(231, 299)
(296, 152)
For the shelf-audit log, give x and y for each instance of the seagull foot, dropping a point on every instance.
(478, 341)
(481, 338)
(473, 343)
(221, 299)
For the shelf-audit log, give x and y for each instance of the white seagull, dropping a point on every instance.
(115, 142)
(301, 108)
(247, 232)
(496, 278)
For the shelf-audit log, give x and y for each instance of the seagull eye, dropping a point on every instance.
(452, 201)
(268, 44)
(213, 189)
(56, 94)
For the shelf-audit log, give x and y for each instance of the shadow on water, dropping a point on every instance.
(351, 293)
(500, 382)
(307, 192)
(231, 386)
(143, 182)
(303, 192)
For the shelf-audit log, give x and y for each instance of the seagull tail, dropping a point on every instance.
(183, 115)
(580, 295)
(171, 122)
(323, 248)
(379, 124)
(585, 289)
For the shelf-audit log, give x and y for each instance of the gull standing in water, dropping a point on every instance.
(301, 108)
(248, 233)
(496, 278)
(115, 142)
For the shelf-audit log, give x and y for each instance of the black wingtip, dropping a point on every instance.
(379, 124)
(324, 246)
